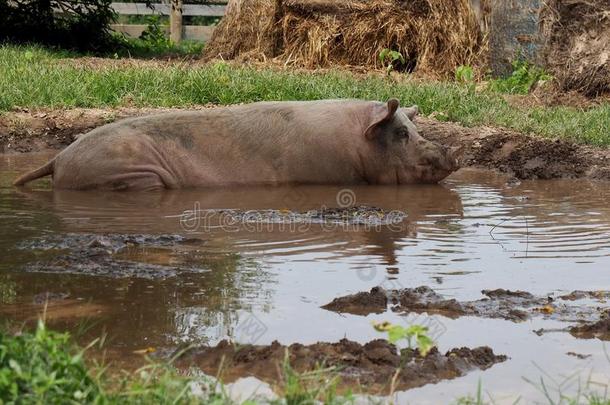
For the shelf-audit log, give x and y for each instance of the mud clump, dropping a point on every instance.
(599, 329)
(579, 295)
(370, 366)
(362, 303)
(514, 306)
(352, 215)
(531, 158)
(106, 255)
(525, 157)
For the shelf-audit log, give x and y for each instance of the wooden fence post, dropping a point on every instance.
(175, 21)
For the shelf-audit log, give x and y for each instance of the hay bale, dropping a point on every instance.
(247, 30)
(435, 36)
(577, 48)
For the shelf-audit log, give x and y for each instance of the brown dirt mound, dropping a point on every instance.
(370, 366)
(577, 48)
(435, 36)
(599, 329)
(526, 157)
(500, 304)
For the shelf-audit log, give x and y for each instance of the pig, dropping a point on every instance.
(265, 143)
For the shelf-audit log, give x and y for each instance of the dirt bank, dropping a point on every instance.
(370, 367)
(522, 156)
(112, 255)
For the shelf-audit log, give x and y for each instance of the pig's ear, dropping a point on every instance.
(411, 111)
(380, 116)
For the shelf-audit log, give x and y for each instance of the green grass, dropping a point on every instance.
(46, 367)
(34, 77)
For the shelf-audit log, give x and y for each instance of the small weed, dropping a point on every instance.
(309, 387)
(154, 34)
(416, 336)
(523, 78)
(389, 59)
(464, 74)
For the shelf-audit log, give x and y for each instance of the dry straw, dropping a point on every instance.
(435, 36)
(577, 48)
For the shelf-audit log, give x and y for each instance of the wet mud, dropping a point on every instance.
(514, 306)
(518, 155)
(107, 255)
(370, 367)
(156, 256)
(25, 130)
(599, 329)
(525, 157)
(352, 215)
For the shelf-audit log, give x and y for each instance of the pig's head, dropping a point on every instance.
(399, 154)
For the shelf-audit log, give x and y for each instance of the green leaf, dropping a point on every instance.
(396, 333)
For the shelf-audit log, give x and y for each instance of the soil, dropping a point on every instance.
(370, 367)
(353, 215)
(599, 329)
(521, 156)
(515, 306)
(120, 255)
(108, 255)
(25, 130)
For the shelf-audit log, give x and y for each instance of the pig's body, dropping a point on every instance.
(320, 142)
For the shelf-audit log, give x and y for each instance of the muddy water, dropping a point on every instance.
(196, 275)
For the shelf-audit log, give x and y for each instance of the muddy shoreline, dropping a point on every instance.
(521, 156)
(376, 367)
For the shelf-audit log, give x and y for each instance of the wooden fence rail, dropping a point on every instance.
(176, 10)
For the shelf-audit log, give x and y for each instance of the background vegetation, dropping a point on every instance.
(82, 25)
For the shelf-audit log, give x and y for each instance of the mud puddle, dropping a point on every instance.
(163, 256)
(256, 281)
(373, 366)
(518, 155)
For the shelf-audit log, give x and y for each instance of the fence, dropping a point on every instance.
(175, 10)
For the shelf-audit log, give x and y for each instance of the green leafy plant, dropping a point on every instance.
(464, 74)
(154, 34)
(416, 336)
(45, 367)
(389, 58)
(79, 25)
(523, 78)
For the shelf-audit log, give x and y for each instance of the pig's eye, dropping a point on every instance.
(402, 133)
